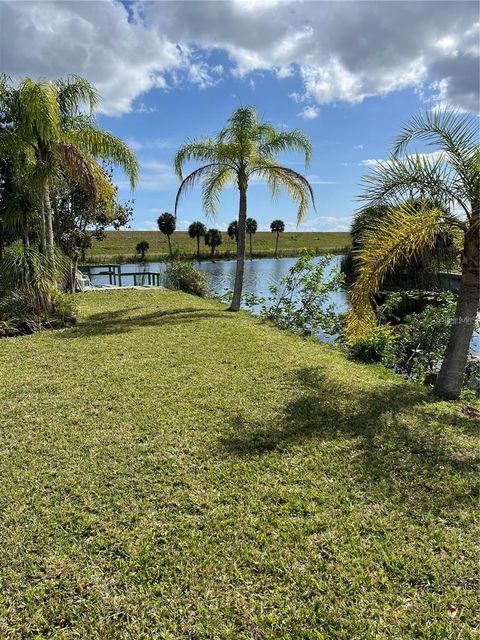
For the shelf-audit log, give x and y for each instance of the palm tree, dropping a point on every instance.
(197, 230)
(213, 239)
(167, 224)
(278, 227)
(142, 248)
(244, 149)
(232, 231)
(251, 226)
(448, 182)
(48, 130)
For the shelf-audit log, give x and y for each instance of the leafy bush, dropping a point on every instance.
(185, 277)
(379, 346)
(301, 301)
(65, 305)
(16, 307)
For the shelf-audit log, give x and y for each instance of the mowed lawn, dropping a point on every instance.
(171, 470)
(120, 245)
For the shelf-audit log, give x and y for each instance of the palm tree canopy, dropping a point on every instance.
(419, 196)
(48, 127)
(277, 226)
(197, 230)
(213, 238)
(167, 223)
(448, 176)
(251, 226)
(232, 230)
(244, 149)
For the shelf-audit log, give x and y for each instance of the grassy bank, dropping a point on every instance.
(119, 246)
(171, 470)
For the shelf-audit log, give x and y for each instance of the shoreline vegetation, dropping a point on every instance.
(356, 490)
(119, 246)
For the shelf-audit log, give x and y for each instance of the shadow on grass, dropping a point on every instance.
(393, 435)
(124, 320)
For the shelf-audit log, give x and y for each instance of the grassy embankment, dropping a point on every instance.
(119, 246)
(170, 470)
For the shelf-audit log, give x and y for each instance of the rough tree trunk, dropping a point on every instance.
(242, 222)
(43, 231)
(169, 246)
(449, 382)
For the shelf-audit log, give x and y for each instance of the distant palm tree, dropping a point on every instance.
(47, 131)
(232, 231)
(447, 181)
(142, 248)
(278, 227)
(244, 149)
(197, 230)
(213, 239)
(167, 224)
(251, 226)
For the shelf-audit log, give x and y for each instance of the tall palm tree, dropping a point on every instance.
(48, 129)
(232, 231)
(213, 239)
(448, 182)
(246, 148)
(251, 226)
(278, 227)
(197, 230)
(167, 224)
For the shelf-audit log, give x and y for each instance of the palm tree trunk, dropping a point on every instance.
(169, 246)
(242, 222)
(43, 232)
(449, 382)
(276, 245)
(49, 217)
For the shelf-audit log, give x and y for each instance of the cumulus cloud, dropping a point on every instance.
(310, 112)
(337, 51)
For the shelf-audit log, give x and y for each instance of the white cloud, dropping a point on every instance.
(309, 112)
(317, 180)
(358, 146)
(339, 51)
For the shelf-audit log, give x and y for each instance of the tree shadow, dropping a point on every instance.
(385, 448)
(125, 320)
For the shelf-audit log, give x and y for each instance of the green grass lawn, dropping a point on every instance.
(170, 470)
(120, 245)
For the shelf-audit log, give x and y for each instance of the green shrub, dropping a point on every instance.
(185, 277)
(378, 347)
(65, 305)
(16, 307)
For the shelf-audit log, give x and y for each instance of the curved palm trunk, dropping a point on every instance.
(169, 245)
(449, 382)
(242, 222)
(276, 245)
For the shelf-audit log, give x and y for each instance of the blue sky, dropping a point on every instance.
(348, 74)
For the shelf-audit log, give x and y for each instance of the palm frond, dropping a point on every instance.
(104, 145)
(400, 235)
(200, 150)
(40, 113)
(297, 186)
(213, 183)
(78, 167)
(284, 141)
(194, 178)
(75, 92)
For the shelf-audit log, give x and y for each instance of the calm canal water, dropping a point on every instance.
(260, 274)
